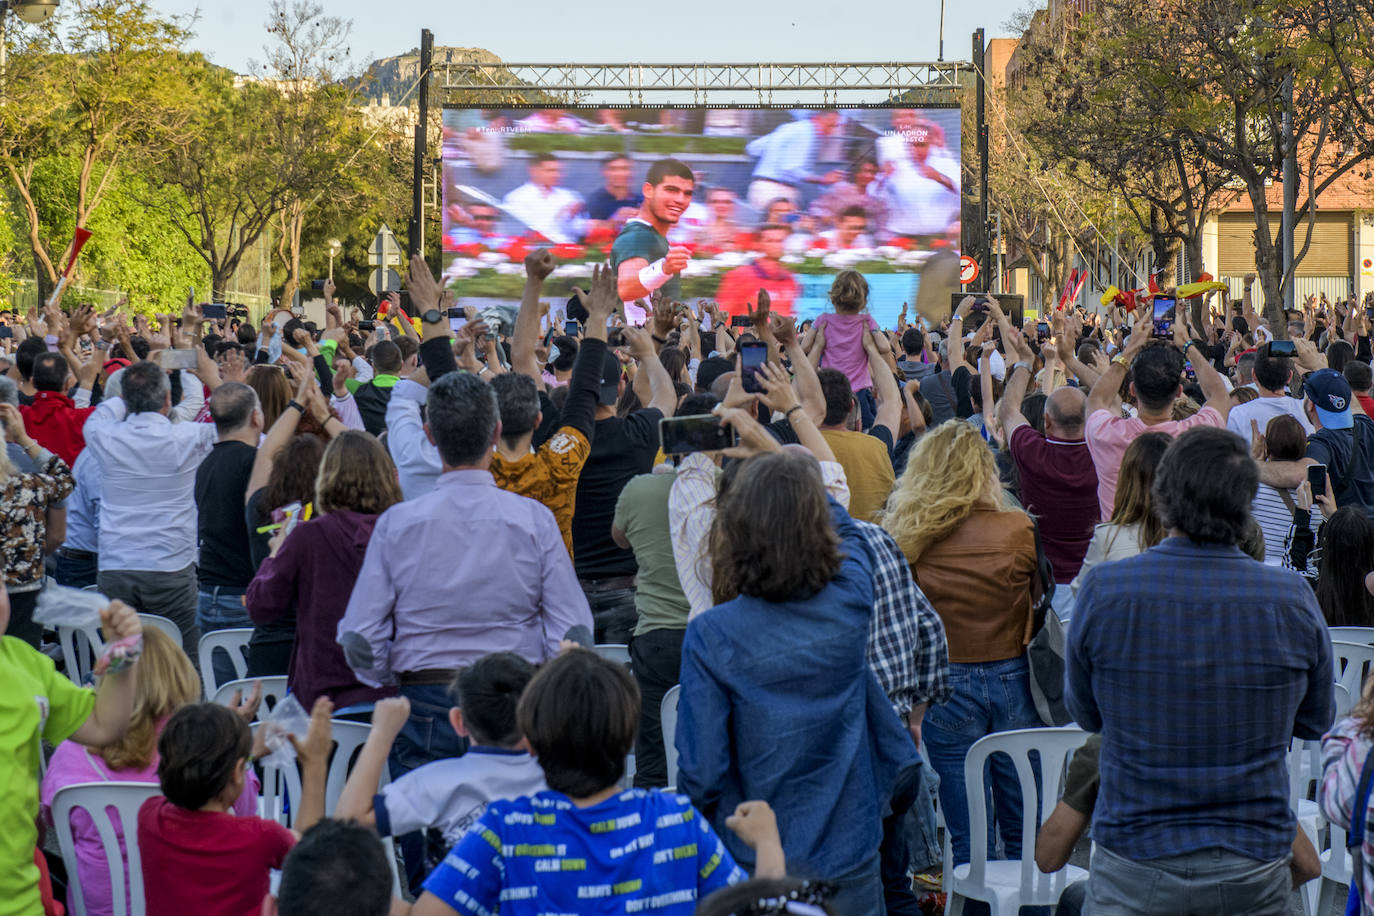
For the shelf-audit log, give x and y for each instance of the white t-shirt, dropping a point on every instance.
(452, 794)
(1262, 410)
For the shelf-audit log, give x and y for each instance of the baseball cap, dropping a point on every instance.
(610, 379)
(1329, 392)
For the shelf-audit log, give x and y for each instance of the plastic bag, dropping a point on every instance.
(288, 718)
(60, 606)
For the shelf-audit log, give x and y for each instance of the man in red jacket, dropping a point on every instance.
(53, 419)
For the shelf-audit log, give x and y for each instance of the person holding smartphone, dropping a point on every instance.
(1343, 441)
(1273, 373)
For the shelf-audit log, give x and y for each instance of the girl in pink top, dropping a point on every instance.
(166, 682)
(841, 337)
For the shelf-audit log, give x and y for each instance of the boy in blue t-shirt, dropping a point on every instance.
(585, 846)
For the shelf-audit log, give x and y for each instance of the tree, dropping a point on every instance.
(1223, 91)
(100, 84)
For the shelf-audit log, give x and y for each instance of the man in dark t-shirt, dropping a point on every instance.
(225, 565)
(1344, 440)
(641, 257)
(622, 448)
(615, 196)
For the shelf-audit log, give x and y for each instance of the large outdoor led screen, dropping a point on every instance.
(773, 198)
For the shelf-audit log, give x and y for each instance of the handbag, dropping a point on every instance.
(1354, 841)
(1045, 654)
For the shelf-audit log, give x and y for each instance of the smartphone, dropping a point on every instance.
(457, 319)
(741, 321)
(177, 359)
(572, 327)
(752, 356)
(1316, 476)
(366, 325)
(1043, 329)
(699, 433)
(1164, 317)
(297, 311)
(317, 284)
(6, 332)
(214, 310)
(1282, 348)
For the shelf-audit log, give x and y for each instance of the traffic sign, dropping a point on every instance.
(384, 251)
(383, 280)
(968, 269)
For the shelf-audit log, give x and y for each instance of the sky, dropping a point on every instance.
(230, 32)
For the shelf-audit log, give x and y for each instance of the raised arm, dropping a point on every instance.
(276, 439)
(538, 265)
(779, 395)
(364, 780)
(1106, 393)
(804, 378)
(1212, 384)
(889, 412)
(663, 396)
(1018, 377)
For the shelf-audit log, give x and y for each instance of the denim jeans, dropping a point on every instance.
(868, 407)
(219, 607)
(427, 736)
(922, 829)
(988, 697)
(613, 613)
(1214, 882)
(75, 573)
(656, 661)
(859, 893)
(894, 852)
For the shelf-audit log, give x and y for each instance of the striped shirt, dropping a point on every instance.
(1344, 751)
(1276, 521)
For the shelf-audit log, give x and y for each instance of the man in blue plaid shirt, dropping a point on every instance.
(1198, 665)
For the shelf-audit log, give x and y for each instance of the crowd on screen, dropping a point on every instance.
(834, 184)
(427, 531)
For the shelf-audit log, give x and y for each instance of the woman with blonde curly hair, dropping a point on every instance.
(974, 558)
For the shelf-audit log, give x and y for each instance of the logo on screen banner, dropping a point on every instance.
(968, 270)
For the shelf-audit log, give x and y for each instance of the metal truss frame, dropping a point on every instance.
(815, 83)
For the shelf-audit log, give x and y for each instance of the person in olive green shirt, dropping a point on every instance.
(641, 525)
(38, 704)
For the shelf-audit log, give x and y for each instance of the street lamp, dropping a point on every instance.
(335, 246)
(32, 11)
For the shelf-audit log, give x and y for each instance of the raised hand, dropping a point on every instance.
(539, 264)
(232, 366)
(778, 393)
(784, 329)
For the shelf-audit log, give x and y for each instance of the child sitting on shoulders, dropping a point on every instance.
(840, 336)
(449, 795)
(586, 846)
(198, 857)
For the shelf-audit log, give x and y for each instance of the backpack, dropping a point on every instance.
(1045, 654)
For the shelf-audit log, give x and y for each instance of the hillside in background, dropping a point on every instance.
(394, 77)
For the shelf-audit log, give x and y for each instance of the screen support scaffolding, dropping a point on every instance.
(729, 85)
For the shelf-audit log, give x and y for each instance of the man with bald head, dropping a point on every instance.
(1058, 480)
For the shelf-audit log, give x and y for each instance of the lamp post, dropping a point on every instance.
(335, 246)
(34, 11)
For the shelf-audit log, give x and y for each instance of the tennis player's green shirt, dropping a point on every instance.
(640, 240)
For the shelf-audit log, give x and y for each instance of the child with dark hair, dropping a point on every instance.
(586, 845)
(449, 795)
(339, 868)
(197, 856)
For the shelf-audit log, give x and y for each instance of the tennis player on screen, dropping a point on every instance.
(641, 256)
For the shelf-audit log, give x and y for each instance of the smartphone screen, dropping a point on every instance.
(1042, 329)
(699, 433)
(214, 310)
(1316, 476)
(6, 332)
(177, 359)
(741, 321)
(1282, 348)
(752, 356)
(457, 319)
(572, 327)
(1164, 317)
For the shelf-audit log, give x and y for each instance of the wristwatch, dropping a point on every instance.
(433, 316)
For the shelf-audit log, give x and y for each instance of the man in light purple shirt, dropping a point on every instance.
(463, 571)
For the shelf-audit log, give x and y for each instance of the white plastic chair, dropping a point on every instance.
(1304, 772)
(1009, 885)
(234, 643)
(273, 691)
(615, 652)
(1352, 662)
(165, 625)
(667, 717)
(98, 799)
(1362, 635)
(79, 647)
